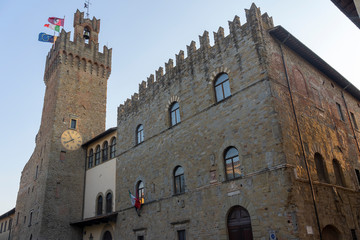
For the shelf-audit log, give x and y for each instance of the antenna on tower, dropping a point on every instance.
(87, 6)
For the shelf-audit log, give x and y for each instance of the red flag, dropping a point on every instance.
(56, 21)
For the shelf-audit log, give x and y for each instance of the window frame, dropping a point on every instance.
(174, 112)
(105, 151)
(91, 158)
(140, 192)
(222, 85)
(233, 168)
(73, 123)
(339, 176)
(181, 234)
(99, 207)
(352, 115)
(341, 115)
(321, 169)
(179, 180)
(108, 202)
(97, 155)
(113, 148)
(139, 134)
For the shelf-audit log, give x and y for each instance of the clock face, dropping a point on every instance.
(71, 139)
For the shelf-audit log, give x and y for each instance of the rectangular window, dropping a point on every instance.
(340, 112)
(73, 124)
(62, 156)
(140, 238)
(5, 226)
(357, 171)
(10, 223)
(354, 120)
(181, 235)
(30, 218)
(37, 171)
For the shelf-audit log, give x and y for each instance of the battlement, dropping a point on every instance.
(78, 53)
(253, 28)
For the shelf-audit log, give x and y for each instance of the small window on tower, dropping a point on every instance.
(73, 124)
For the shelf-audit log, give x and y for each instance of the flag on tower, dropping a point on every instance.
(56, 21)
(53, 27)
(43, 37)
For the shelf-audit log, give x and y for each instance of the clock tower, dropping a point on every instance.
(51, 189)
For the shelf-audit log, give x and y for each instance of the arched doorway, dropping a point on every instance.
(107, 236)
(330, 233)
(239, 224)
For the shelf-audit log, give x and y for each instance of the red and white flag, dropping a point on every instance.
(56, 21)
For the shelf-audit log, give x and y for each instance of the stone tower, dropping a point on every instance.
(52, 183)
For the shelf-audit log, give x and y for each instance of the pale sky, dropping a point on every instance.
(143, 35)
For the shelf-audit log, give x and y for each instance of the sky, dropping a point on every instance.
(143, 35)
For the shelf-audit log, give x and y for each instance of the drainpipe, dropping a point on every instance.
(300, 138)
(348, 113)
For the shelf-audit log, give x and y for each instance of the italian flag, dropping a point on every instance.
(53, 27)
(135, 201)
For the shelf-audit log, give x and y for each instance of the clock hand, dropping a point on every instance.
(69, 141)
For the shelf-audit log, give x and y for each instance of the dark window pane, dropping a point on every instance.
(109, 203)
(99, 205)
(340, 111)
(181, 235)
(73, 124)
(354, 120)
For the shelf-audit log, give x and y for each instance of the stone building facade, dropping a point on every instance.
(255, 137)
(6, 221)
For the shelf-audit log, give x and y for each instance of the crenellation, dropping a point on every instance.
(237, 34)
(159, 73)
(179, 58)
(191, 49)
(234, 25)
(169, 66)
(219, 35)
(267, 21)
(142, 88)
(204, 40)
(150, 80)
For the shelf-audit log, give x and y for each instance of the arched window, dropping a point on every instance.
(97, 155)
(91, 159)
(338, 173)
(179, 181)
(86, 34)
(330, 232)
(222, 87)
(321, 168)
(99, 209)
(174, 114)
(140, 191)
(113, 147)
(239, 224)
(107, 236)
(139, 134)
(232, 163)
(108, 203)
(105, 152)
